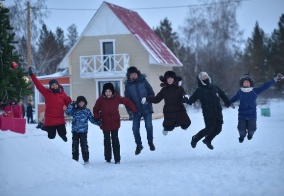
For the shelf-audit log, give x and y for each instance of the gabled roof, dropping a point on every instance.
(145, 35)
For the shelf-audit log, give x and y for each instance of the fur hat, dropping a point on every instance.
(81, 98)
(52, 82)
(201, 75)
(247, 77)
(170, 74)
(108, 86)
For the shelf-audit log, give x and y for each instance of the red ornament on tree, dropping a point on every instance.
(14, 65)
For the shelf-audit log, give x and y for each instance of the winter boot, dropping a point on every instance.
(138, 150)
(208, 144)
(249, 137)
(165, 132)
(151, 145)
(108, 161)
(194, 141)
(241, 139)
(117, 162)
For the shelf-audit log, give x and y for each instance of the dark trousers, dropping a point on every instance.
(111, 143)
(30, 119)
(61, 130)
(246, 127)
(211, 130)
(82, 139)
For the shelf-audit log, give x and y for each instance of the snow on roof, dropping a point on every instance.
(56, 75)
(145, 35)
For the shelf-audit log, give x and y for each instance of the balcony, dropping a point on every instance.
(102, 66)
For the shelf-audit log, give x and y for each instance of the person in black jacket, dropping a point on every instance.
(174, 111)
(30, 113)
(209, 96)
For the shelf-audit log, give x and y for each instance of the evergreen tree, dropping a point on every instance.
(47, 54)
(276, 51)
(256, 54)
(13, 81)
(72, 36)
(170, 38)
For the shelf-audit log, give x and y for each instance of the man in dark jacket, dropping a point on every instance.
(137, 87)
(209, 96)
(30, 113)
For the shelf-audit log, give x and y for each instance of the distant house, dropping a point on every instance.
(115, 39)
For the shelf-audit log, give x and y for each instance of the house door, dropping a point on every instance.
(108, 56)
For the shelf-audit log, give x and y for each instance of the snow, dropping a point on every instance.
(31, 164)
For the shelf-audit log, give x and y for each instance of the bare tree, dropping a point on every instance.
(212, 33)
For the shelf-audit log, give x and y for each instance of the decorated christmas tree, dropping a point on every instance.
(14, 83)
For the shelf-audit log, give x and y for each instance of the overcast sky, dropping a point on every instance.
(266, 12)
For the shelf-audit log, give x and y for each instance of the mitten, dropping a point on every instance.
(143, 101)
(30, 70)
(74, 104)
(279, 77)
(185, 100)
(99, 122)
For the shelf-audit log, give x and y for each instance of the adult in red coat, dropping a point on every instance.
(106, 110)
(55, 100)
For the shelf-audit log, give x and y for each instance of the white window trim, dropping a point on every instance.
(107, 40)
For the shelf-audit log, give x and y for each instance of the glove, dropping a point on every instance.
(130, 115)
(30, 70)
(227, 105)
(143, 101)
(185, 100)
(74, 104)
(279, 77)
(233, 106)
(99, 122)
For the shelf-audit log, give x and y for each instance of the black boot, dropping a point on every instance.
(152, 147)
(138, 150)
(194, 140)
(208, 144)
(241, 139)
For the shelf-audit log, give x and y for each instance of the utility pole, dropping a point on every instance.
(29, 33)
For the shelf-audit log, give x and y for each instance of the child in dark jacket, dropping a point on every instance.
(174, 111)
(247, 95)
(209, 96)
(106, 109)
(81, 115)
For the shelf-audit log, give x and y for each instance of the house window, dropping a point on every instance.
(41, 99)
(107, 52)
(116, 83)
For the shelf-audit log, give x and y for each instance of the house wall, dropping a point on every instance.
(124, 44)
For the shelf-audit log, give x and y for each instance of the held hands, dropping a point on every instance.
(185, 100)
(143, 101)
(130, 115)
(99, 122)
(279, 77)
(30, 70)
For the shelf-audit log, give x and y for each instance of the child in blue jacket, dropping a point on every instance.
(247, 108)
(81, 115)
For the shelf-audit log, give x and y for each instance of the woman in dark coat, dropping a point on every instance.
(209, 96)
(106, 110)
(30, 113)
(175, 114)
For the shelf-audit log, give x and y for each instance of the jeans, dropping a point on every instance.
(246, 126)
(136, 127)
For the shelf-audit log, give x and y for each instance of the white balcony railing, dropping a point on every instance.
(101, 66)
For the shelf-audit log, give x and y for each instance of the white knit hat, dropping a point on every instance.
(201, 75)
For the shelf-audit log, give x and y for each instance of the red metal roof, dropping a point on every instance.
(147, 37)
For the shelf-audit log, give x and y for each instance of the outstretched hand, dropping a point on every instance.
(279, 77)
(30, 70)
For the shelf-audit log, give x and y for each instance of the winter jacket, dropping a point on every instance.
(174, 110)
(209, 97)
(30, 110)
(54, 103)
(106, 109)
(247, 97)
(81, 115)
(136, 90)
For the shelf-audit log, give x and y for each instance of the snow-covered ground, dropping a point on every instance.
(33, 165)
